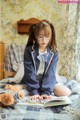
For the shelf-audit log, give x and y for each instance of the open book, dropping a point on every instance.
(54, 101)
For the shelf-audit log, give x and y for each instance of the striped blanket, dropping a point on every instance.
(13, 57)
(70, 112)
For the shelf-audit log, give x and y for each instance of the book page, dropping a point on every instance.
(54, 101)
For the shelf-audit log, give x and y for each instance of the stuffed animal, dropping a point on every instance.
(10, 94)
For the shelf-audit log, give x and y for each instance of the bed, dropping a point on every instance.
(13, 68)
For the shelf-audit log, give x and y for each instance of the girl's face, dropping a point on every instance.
(44, 37)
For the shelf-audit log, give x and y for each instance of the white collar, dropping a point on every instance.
(43, 52)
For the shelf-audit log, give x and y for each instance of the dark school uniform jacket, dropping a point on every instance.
(31, 65)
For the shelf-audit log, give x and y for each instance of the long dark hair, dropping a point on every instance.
(35, 28)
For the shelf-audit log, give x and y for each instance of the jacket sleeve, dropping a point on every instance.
(29, 74)
(49, 79)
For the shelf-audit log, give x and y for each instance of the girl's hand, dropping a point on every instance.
(35, 97)
(45, 97)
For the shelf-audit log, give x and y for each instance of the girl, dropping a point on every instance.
(40, 62)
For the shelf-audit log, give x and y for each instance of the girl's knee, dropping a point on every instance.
(61, 90)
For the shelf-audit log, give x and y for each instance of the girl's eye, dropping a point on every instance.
(47, 35)
(40, 36)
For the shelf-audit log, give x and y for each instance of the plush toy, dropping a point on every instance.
(10, 94)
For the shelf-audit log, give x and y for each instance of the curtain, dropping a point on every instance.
(78, 45)
(73, 32)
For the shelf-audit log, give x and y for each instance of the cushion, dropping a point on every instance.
(19, 73)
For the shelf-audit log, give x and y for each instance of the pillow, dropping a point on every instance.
(61, 79)
(58, 77)
(20, 73)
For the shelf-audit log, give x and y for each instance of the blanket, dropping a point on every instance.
(13, 57)
(70, 112)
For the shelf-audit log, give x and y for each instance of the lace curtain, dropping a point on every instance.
(73, 31)
(78, 45)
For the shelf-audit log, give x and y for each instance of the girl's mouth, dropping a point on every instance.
(43, 43)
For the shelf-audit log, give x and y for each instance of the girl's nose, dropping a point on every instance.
(44, 38)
